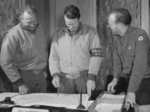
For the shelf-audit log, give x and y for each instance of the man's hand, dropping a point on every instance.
(56, 81)
(130, 100)
(90, 86)
(111, 85)
(23, 89)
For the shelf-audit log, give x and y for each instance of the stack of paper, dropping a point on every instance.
(48, 99)
(7, 94)
(110, 103)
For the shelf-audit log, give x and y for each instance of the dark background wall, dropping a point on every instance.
(8, 9)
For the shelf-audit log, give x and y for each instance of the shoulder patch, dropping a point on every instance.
(140, 38)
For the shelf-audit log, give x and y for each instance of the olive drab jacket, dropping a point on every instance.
(130, 57)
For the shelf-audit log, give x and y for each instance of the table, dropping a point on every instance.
(108, 103)
(48, 101)
(144, 108)
(113, 103)
(51, 102)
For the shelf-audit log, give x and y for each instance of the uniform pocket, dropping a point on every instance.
(130, 53)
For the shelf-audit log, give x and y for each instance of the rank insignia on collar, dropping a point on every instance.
(140, 38)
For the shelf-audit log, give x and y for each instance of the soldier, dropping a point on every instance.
(130, 57)
(24, 54)
(75, 56)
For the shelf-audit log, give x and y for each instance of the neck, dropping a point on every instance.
(123, 30)
(76, 31)
(27, 29)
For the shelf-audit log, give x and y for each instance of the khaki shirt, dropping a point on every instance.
(74, 53)
(23, 50)
(130, 57)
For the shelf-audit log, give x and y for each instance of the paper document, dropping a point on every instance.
(110, 103)
(7, 94)
(48, 99)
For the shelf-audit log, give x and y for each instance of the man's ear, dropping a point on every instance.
(20, 17)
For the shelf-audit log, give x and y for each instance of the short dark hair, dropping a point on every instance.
(122, 16)
(72, 12)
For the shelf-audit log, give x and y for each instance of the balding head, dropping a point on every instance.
(119, 20)
(112, 23)
(122, 16)
(112, 18)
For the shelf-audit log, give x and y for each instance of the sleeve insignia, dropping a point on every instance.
(97, 52)
(140, 38)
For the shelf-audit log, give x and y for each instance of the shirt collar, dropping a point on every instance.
(128, 31)
(79, 30)
(24, 28)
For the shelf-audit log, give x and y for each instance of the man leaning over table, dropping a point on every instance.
(130, 59)
(24, 54)
(76, 55)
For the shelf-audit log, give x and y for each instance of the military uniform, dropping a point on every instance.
(130, 60)
(5, 84)
(76, 57)
(24, 58)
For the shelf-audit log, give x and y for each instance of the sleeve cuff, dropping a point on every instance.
(56, 74)
(116, 75)
(19, 82)
(131, 88)
(91, 77)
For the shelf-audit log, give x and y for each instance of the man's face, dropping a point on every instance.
(72, 24)
(29, 21)
(112, 24)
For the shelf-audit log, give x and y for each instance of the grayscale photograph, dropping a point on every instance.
(74, 55)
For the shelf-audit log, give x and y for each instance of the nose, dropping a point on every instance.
(70, 26)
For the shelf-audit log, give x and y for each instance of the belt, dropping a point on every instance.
(75, 75)
(36, 72)
(72, 75)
